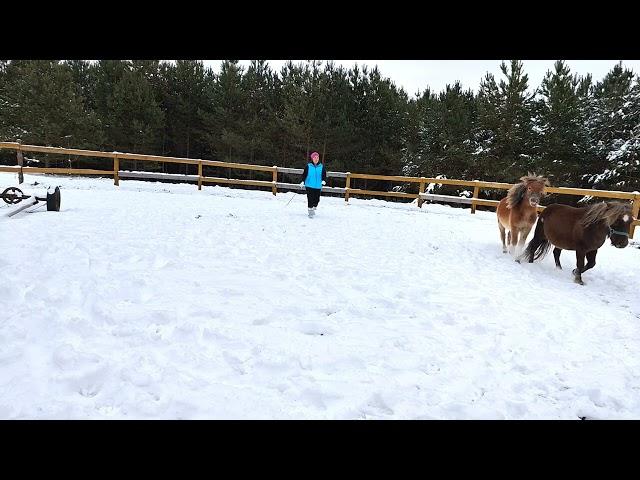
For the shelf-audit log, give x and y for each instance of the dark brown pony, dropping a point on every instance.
(517, 212)
(581, 229)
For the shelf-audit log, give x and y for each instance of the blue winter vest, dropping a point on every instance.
(314, 175)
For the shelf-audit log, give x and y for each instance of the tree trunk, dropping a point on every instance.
(324, 149)
(186, 165)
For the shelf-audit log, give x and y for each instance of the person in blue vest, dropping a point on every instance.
(314, 177)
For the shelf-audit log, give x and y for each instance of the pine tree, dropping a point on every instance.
(224, 123)
(505, 136)
(43, 106)
(106, 74)
(6, 157)
(258, 84)
(135, 119)
(386, 114)
(84, 78)
(562, 121)
(413, 159)
(300, 102)
(337, 129)
(447, 132)
(187, 83)
(614, 128)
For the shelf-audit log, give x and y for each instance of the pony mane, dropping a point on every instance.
(608, 212)
(515, 195)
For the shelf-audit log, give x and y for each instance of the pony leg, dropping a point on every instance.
(591, 260)
(514, 241)
(539, 244)
(524, 233)
(556, 255)
(504, 247)
(577, 272)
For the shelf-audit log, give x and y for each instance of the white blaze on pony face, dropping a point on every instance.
(619, 231)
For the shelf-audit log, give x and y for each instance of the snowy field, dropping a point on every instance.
(157, 301)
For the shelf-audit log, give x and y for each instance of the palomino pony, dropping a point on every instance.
(581, 229)
(517, 212)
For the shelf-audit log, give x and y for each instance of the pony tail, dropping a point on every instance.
(538, 246)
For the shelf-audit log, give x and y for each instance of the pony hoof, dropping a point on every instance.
(517, 260)
(577, 278)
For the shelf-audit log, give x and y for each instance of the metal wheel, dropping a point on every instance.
(12, 195)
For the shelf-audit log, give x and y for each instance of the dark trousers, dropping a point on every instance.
(313, 197)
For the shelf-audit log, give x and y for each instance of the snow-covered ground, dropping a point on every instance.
(154, 300)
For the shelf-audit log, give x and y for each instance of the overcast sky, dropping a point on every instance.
(414, 75)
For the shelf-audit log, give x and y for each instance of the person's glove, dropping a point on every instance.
(323, 182)
(302, 184)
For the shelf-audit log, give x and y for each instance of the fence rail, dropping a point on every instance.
(347, 190)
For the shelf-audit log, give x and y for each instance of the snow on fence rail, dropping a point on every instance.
(274, 184)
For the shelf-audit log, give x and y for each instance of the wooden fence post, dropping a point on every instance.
(635, 210)
(476, 192)
(116, 169)
(274, 189)
(420, 190)
(200, 175)
(20, 162)
(347, 187)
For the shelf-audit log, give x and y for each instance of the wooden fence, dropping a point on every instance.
(274, 184)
